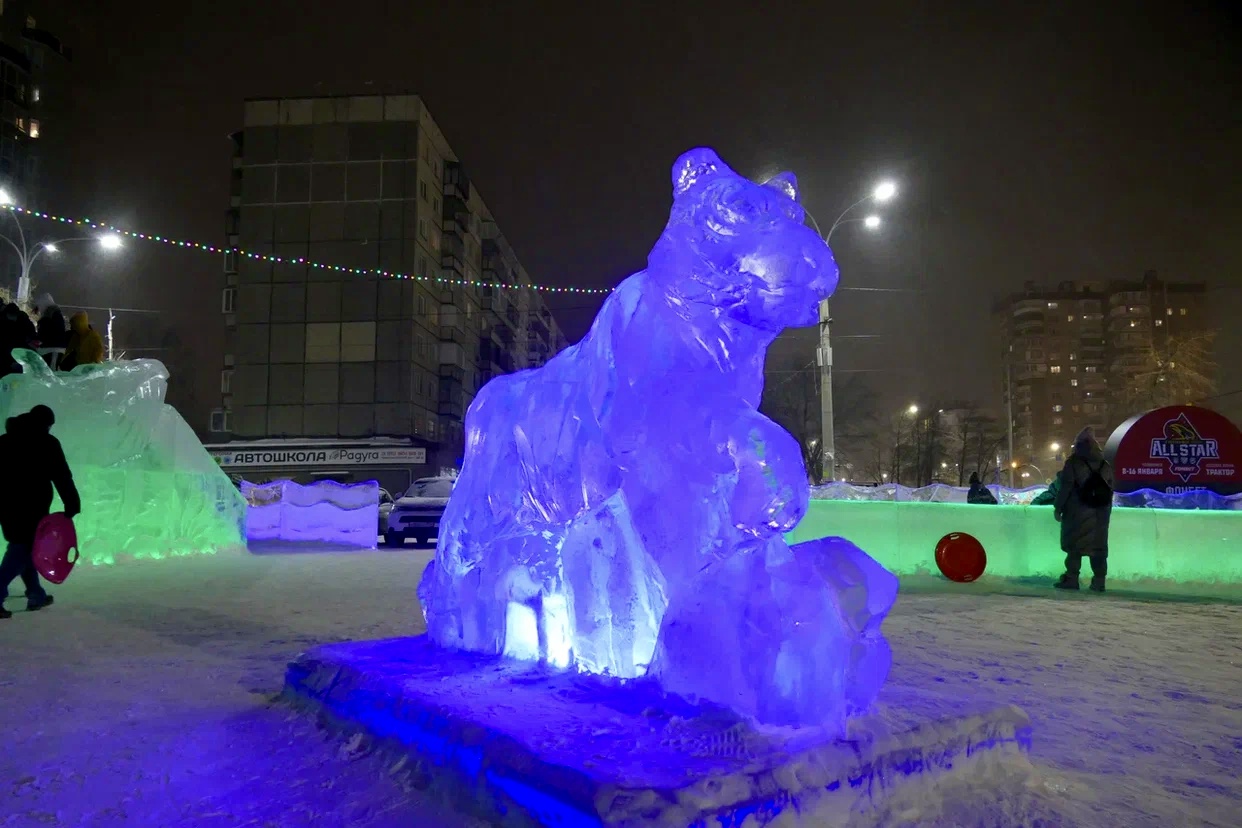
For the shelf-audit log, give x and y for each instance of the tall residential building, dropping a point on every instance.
(1070, 350)
(366, 183)
(33, 63)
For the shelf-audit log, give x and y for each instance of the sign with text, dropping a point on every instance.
(317, 456)
(1177, 449)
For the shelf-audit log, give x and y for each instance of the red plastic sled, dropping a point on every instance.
(54, 540)
(961, 557)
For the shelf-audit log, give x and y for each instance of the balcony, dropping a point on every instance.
(456, 183)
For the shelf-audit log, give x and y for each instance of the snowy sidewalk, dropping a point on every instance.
(142, 697)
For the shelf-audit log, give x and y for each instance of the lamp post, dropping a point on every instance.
(27, 255)
(883, 192)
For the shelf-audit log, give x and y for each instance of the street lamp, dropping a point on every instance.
(912, 410)
(28, 255)
(1055, 447)
(884, 191)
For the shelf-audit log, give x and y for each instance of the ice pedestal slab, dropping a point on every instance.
(522, 744)
(620, 510)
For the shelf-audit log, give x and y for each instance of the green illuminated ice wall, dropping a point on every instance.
(1022, 541)
(149, 488)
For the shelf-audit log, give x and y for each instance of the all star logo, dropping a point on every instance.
(1183, 448)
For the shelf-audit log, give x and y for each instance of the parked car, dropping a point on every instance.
(417, 513)
(385, 506)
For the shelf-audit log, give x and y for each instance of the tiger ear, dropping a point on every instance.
(694, 167)
(785, 183)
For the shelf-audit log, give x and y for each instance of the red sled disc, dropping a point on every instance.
(54, 540)
(961, 557)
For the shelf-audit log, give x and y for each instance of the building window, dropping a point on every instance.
(422, 305)
(35, 95)
(1132, 323)
(1168, 311)
(1058, 408)
(34, 128)
(1069, 318)
(422, 189)
(228, 300)
(422, 228)
(221, 421)
(1052, 305)
(226, 381)
(1056, 369)
(1159, 322)
(1057, 420)
(1074, 383)
(1181, 312)
(435, 205)
(1075, 409)
(1073, 357)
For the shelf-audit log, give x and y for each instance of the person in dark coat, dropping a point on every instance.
(979, 493)
(16, 331)
(1049, 495)
(1084, 507)
(52, 330)
(33, 462)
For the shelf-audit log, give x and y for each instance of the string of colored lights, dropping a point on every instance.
(264, 257)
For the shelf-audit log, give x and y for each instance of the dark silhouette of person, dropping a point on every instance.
(1084, 507)
(979, 493)
(16, 331)
(33, 462)
(52, 330)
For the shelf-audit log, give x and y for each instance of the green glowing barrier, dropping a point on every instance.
(1024, 541)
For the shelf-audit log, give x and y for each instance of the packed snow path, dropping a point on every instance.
(143, 697)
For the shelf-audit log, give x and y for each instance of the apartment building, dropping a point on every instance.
(397, 345)
(1070, 349)
(33, 71)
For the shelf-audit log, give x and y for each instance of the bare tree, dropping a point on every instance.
(791, 398)
(1175, 371)
(975, 441)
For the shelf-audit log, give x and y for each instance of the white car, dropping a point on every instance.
(417, 513)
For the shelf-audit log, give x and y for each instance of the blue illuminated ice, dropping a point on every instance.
(621, 510)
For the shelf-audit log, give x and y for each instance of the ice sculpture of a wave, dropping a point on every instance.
(149, 488)
(324, 511)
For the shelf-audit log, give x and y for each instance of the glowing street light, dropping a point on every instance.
(884, 191)
(27, 255)
(912, 410)
(1055, 447)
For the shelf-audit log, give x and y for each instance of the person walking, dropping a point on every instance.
(1084, 507)
(34, 462)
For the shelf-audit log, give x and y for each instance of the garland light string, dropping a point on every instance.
(358, 271)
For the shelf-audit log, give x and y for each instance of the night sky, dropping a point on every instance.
(1032, 142)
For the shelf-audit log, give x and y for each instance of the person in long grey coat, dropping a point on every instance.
(1084, 528)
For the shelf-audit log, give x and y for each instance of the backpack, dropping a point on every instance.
(1096, 493)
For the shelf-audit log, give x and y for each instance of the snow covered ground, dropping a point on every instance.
(143, 697)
